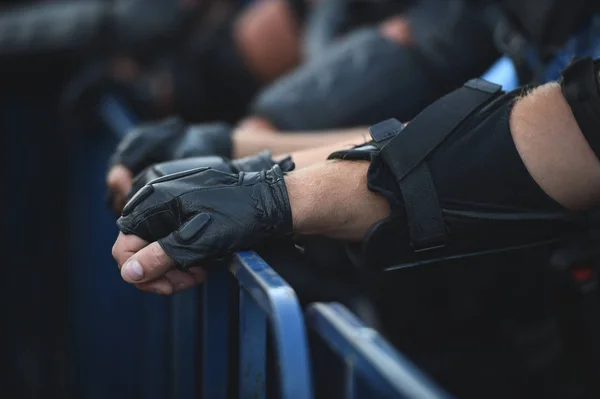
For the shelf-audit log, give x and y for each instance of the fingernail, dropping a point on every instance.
(133, 270)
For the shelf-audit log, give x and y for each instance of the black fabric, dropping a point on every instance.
(549, 23)
(204, 214)
(454, 38)
(331, 19)
(362, 79)
(581, 90)
(489, 200)
(211, 80)
(405, 153)
(91, 27)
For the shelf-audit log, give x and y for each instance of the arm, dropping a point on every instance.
(547, 139)
(305, 148)
(247, 142)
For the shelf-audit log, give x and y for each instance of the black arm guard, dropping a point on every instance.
(581, 89)
(456, 186)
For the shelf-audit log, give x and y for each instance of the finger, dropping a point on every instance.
(126, 246)
(160, 286)
(119, 180)
(183, 280)
(149, 263)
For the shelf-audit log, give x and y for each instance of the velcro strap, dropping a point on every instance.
(580, 88)
(405, 154)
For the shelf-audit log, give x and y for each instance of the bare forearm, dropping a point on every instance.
(249, 142)
(332, 198)
(312, 156)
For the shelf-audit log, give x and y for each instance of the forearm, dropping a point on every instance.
(312, 156)
(249, 141)
(332, 198)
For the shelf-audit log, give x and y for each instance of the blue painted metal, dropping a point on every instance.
(369, 356)
(184, 319)
(278, 301)
(116, 116)
(215, 344)
(253, 348)
(503, 72)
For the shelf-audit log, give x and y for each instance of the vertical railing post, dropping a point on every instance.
(253, 348)
(215, 337)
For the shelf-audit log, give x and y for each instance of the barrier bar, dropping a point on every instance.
(368, 357)
(264, 295)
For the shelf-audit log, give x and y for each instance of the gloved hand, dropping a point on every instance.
(160, 142)
(205, 214)
(254, 163)
(171, 139)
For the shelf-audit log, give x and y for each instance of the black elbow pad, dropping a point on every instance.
(457, 187)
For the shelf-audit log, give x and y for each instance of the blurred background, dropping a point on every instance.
(76, 74)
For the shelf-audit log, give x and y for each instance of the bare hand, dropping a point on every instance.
(150, 269)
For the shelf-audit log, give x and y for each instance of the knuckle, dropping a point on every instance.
(157, 256)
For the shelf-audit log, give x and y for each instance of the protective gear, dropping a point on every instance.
(204, 214)
(363, 79)
(171, 139)
(254, 163)
(581, 89)
(457, 186)
(92, 27)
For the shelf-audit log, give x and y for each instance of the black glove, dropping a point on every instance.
(171, 139)
(254, 163)
(205, 214)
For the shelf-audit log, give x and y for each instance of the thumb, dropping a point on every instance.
(147, 264)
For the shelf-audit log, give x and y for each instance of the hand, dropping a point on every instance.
(159, 142)
(236, 219)
(204, 214)
(255, 163)
(159, 275)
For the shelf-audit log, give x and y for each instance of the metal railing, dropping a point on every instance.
(264, 299)
(374, 369)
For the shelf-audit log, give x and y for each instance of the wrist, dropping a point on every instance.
(332, 199)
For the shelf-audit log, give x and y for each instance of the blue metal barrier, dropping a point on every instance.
(263, 296)
(503, 72)
(374, 369)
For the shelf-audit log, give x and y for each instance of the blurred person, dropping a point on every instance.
(330, 92)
